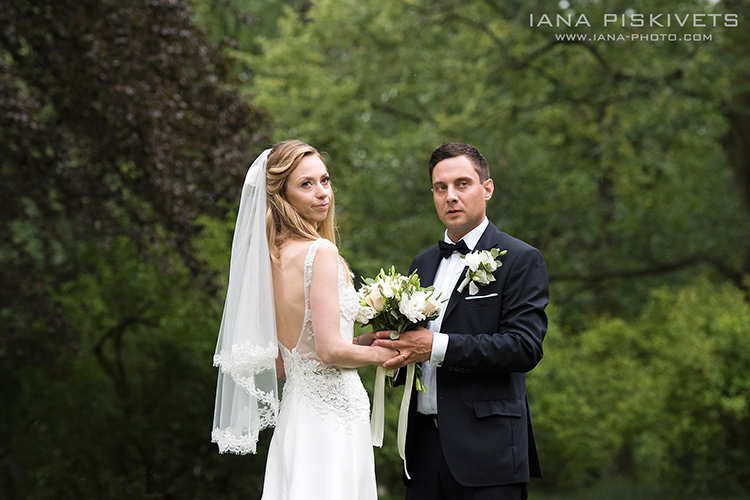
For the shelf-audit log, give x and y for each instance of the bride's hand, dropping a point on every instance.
(383, 354)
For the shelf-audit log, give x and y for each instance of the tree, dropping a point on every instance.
(664, 398)
(121, 125)
(623, 160)
(613, 157)
(117, 121)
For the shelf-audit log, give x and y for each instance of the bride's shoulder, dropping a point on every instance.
(325, 251)
(312, 250)
(322, 257)
(327, 260)
(326, 246)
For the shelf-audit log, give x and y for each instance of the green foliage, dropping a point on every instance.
(118, 119)
(125, 143)
(615, 159)
(242, 23)
(664, 398)
(120, 125)
(617, 488)
(704, 436)
(622, 162)
(609, 157)
(574, 399)
(122, 416)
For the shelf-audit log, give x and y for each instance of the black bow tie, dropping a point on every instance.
(446, 249)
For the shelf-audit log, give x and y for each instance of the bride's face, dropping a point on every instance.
(308, 189)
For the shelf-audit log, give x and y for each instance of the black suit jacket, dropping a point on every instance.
(495, 337)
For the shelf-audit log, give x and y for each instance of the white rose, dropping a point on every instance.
(365, 314)
(473, 260)
(375, 300)
(412, 306)
(431, 307)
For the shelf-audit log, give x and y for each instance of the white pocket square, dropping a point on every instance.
(475, 297)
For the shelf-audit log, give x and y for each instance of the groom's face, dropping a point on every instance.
(460, 197)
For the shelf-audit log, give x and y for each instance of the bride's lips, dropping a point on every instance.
(324, 206)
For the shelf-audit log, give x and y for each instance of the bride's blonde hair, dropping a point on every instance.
(283, 222)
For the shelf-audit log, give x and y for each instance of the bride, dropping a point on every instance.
(290, 311)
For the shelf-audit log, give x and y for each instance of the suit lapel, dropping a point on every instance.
(489, 238)
(428, 268)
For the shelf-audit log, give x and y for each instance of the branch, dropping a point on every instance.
(115, 369)
(657, 268)
(608, 274)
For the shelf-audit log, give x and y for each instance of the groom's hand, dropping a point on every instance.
(413, 346)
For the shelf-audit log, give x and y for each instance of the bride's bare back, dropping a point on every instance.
(289, 291)
(289, 302)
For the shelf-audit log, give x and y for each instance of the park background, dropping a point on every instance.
(126, 128)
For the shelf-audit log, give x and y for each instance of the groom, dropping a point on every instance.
(470, 436)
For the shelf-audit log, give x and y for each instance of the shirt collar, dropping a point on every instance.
(472, 237)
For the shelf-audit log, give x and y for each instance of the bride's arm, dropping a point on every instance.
(326, 317)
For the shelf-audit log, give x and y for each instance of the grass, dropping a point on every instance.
(610, 489)
(624, 489)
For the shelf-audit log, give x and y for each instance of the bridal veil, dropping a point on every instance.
(247, 391)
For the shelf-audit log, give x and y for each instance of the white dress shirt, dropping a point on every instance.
(447, 278)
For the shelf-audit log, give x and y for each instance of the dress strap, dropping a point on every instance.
(309, 259)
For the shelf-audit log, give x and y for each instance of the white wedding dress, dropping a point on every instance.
(322, 446)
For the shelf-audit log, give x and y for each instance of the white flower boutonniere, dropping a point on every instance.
(481, 266)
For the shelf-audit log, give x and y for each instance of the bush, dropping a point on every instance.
(664, 398)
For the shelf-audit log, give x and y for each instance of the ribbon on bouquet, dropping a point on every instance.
(378, 409)
(377, 419)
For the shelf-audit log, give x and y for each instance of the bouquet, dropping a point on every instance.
(394, 302)
(397, 303)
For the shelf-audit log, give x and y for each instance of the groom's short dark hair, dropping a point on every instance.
(454, 149)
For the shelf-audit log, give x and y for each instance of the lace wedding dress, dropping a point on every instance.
(322, 447)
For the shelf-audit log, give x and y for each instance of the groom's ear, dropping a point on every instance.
(489, 188)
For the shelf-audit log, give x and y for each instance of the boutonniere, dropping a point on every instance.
(481, 266)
